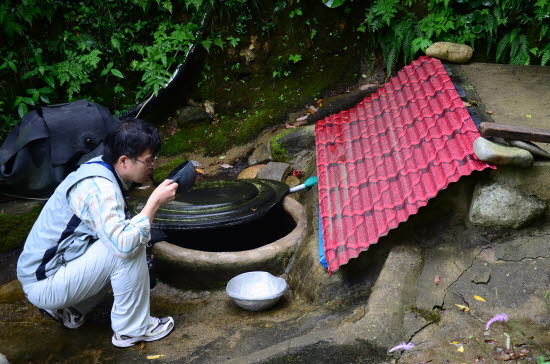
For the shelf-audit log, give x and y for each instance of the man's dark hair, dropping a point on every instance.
(131, 138)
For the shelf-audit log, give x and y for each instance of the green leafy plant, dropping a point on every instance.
(295, 58)
(296, 12)
(504, 29)
(112, 52)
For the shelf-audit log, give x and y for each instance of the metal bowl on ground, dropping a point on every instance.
(256, 291)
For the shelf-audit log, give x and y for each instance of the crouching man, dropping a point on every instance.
(84, 239)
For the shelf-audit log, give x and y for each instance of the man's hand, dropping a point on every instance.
(163, 194)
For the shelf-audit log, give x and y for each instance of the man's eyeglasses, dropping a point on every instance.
(150, 165)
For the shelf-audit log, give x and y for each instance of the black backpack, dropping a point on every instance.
(49, 143)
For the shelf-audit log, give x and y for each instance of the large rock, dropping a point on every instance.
(453, 52)
(250, 172)
(192, 114)
(11, 292)
(501, 155)
(297, 147)
(533, 181)
(262, 154)
(531, 147)
(298, 139)
(292, 181)
(497, 205)
(276, 171)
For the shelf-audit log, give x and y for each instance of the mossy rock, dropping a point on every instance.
(278, 151)
(15, 228)
(11, 292)
(160, 173)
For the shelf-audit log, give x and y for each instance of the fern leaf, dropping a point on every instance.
(545, 57)
(390, 60)
(407, 44)
(524, 50)
(543, 31)
(519, 53)
(502, 46)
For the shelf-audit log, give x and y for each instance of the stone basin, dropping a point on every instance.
(188, 268)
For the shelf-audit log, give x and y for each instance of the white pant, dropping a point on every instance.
(82, 283)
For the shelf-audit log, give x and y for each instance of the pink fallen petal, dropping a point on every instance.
(437, 279)
(402, 346)
(500, 318)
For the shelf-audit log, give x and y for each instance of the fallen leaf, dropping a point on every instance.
(320, 101)
(200, 171)
(143, 187)
(302, 118)
(460, 349)
(463, 308)
(312, 109)
(528, 116)
(297, 173)
(142, 345)
(289, 126)
(492, 342)
(508, 341)
(456, 342)
(437, 279)
(467, 104)
(152, 357)
(490, 112)
(222, 156)
(196, 163)
(226, 166)
(479, 298)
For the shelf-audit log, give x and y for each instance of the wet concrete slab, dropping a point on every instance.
(515, 95)
(210, 328)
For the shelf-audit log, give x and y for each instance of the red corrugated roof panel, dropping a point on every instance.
(382, 160)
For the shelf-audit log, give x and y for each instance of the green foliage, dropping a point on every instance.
(511, 31)
(112, 52)
(333, 3)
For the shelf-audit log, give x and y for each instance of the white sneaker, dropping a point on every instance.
(68, 317)
(157, 329)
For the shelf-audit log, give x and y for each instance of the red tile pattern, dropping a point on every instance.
(382, 160)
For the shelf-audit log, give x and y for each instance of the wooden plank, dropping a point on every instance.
(514, 132)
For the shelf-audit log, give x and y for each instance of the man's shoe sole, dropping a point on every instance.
(60, 321)
(131, 342)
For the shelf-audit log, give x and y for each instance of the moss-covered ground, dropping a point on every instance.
(14, 228)
(268, 74)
